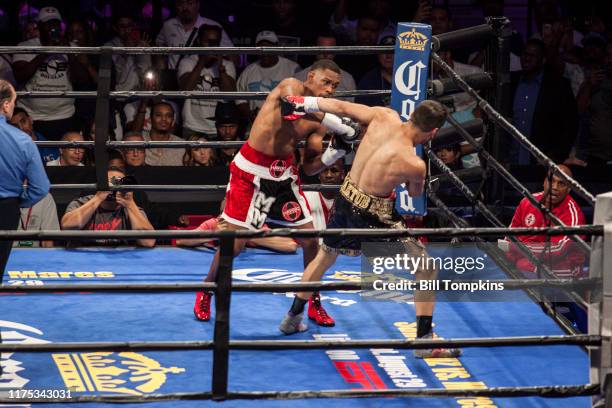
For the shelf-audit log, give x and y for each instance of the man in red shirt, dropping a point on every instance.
(558, 252)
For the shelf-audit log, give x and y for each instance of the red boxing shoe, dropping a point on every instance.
(317, 313)
(201, 310)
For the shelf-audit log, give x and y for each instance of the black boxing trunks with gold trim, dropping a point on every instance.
(354, 208)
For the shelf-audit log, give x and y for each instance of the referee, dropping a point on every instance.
(19, 162)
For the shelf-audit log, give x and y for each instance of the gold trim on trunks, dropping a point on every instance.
(379, 206)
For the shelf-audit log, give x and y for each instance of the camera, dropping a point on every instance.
(120, 181)
(55, 35)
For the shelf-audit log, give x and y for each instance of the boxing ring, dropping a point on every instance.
(115, 325)
(95, 317)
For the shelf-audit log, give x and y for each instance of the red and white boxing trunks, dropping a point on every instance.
(262, 189)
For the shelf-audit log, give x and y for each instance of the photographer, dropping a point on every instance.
(108, 211)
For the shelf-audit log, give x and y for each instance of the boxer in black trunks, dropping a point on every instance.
(385, 159)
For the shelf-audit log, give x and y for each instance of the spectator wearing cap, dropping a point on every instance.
(229, 128)
(49, 72)
(264, 74)
(347, 82)
(23, 121)
(379, 77)
(204, 73)
(181, 31)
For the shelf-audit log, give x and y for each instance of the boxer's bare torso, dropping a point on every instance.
(386, 157)
(274, 136)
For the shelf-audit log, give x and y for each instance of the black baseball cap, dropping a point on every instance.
(226, 112)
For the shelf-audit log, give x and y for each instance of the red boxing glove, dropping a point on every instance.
(294, 107)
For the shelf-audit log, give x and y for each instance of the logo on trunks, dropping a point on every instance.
(529, 219)
(261, 208)
(277, 168)
(291, 211)
(412, 40)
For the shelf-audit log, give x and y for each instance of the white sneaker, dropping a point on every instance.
(292, 324)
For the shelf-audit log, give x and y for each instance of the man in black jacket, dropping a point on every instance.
(543, 107)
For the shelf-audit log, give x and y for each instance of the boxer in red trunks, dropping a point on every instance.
(264, 184)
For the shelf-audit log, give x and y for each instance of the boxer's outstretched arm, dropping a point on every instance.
(361, 113)
(415, 171)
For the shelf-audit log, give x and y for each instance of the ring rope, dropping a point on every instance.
(510, 284)
(518, 341)
(183, 94)
(457, 221)
(591, 230)
(310, 50)
(177, 187)
(479, 32)
(438, 87)
(498, 119)
(563, 390)
(514, 182)
(495, 221)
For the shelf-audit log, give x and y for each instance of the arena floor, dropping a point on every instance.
(37, 318)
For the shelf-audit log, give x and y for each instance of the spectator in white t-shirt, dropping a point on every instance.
(181, 30)
(204, 73)
(128, 68)
(69, 156)
(138, 113)
(347, 82)
(49, 72)
(41, 216)
(264, 74)
(162, 122)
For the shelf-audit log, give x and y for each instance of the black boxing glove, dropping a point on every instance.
(357, 129)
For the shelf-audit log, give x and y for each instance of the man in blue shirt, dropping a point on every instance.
(19, 162)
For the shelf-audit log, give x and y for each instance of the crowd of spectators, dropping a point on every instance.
(567, 59)
(561, 78)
